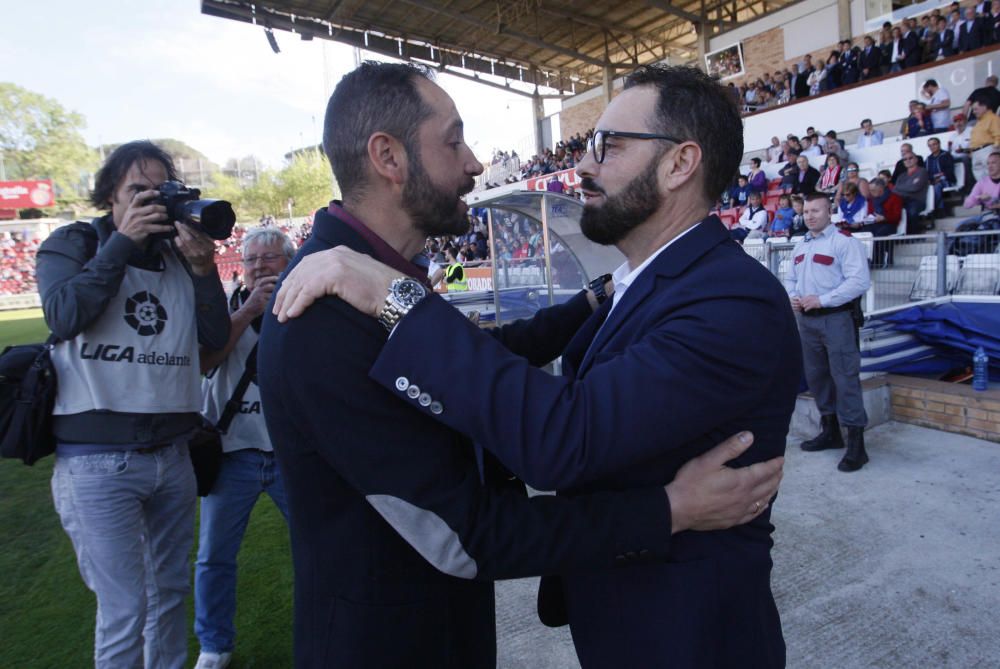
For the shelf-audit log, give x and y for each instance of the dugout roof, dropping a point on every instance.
(563, 45)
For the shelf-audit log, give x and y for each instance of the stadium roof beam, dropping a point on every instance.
(676, 11)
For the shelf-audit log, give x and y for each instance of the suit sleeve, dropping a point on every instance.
(556, 433)
(422, 478)
(543, 337)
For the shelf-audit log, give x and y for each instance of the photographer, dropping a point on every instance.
(248, 467)
(131, 302)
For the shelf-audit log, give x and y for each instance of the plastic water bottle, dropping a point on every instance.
(980, 369)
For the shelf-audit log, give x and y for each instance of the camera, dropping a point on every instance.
(215, 218)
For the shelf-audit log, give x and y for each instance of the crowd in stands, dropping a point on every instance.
(756, 207)
(942, 33)
(17, 264)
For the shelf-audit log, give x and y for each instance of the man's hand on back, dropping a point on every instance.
(356, 278)
(706, 494)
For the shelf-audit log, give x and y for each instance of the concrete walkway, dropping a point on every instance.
(895, 566)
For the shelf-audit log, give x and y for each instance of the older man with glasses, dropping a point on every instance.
(232, 401)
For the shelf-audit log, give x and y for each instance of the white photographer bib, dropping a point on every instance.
(248, 429)
(141, 354)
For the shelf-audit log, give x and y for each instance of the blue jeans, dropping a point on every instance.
(130, 517)
(244, 475)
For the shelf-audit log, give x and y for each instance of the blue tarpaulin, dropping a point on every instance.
(954, 331)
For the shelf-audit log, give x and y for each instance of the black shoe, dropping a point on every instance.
(829, 437)
(856, 457)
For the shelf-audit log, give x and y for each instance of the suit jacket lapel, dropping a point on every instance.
(577, 346)
(672, 262)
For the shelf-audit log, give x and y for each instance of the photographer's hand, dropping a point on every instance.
(143, 218)
(197, 247)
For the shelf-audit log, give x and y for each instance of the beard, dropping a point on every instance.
(620, 214)
(434, 210)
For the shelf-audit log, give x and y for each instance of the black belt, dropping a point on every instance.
(152, 448)
(825, 311)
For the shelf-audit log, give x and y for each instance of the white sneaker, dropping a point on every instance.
(207, 660)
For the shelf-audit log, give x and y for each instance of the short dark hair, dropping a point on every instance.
(865, 120)
(696, 107)
(375, 97)
(755, 161)
(118, 163)
(812, 197)
(931, 82)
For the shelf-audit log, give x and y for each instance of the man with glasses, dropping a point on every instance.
(650, 380)
(248, 468)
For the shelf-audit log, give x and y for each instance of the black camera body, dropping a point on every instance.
(215, 218)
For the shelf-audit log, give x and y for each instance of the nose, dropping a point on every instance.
(587, 167)
(472, 166)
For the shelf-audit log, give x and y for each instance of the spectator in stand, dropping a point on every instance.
(851, 176)
(753, 221)
(943, 41)
(790, 171)
(904, 151)
(810, 149)
(911, 44)
(806, 179)
(833, 146)
(870, 60)
(992, 23)
(986, 132)
(852, 207)
(834, 74)
(756, 179)
(554, 185)
(918, 122)
(869, 136)
(897, 51)
(798, 220)
(850, 71)
(912, 187)
(958, 144)
(885, 208)
(829, 180)
(970, 31)
(775, 154)
(939, 105)
(816, 78)
(800, 78)
(954, 23)
(986, 192)
(783, 215)
(988, 94)
(940, 171)
(739, 194)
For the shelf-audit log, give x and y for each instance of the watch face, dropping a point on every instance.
(408, 292)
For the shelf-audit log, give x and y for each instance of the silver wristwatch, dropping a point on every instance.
(404, 293)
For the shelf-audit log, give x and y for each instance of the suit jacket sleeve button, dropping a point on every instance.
(436, 408)
(424, 400)
(413, 392)
(402, 383)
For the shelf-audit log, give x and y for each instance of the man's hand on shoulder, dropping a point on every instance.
(707, 494)
(356, 278)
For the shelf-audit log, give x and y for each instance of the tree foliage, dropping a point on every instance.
(40, 139)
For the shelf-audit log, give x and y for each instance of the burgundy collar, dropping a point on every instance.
(381, 250)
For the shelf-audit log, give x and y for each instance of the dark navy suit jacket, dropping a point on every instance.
(397, 531)
(702, 345)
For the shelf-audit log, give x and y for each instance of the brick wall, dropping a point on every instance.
(946, 406)
(582, 117)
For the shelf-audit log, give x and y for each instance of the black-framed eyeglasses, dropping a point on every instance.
(266, 257)
(598, 143)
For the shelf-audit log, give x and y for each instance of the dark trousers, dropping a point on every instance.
(832, 364)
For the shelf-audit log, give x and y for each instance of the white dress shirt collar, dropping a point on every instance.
(624, 276)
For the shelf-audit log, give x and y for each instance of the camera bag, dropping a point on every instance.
(206, 444)
(27, 396)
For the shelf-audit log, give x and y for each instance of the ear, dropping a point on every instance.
(387, 157)
(680, 165)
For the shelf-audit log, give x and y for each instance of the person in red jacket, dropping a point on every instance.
(884, 210)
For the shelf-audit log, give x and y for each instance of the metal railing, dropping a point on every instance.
(911, 268)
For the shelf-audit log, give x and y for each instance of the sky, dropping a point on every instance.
(160, 68)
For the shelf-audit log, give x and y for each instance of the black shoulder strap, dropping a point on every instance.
(233, 405)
